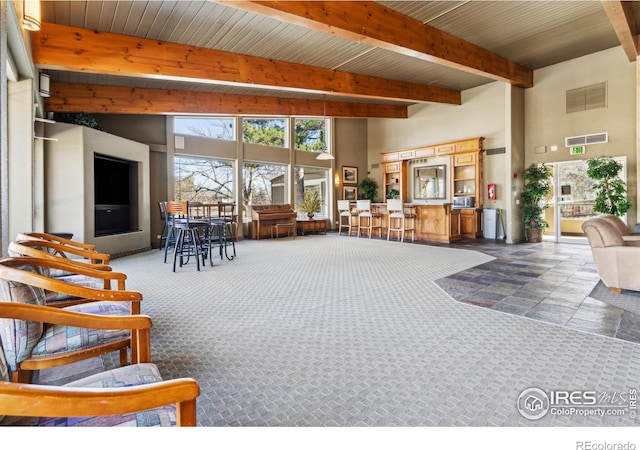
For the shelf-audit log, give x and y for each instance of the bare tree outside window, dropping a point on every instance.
(212, 127)
(263, 184)
(203, 180)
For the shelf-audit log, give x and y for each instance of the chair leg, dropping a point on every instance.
(124, 357)
(178, 248)
(167, 242)
(22, 376)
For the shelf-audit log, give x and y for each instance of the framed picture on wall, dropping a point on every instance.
(349, 175)
(350, 193)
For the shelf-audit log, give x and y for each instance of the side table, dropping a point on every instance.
(311, 226)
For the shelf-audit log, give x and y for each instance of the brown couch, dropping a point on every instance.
(615, 258)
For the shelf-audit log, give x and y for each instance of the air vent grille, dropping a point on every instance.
(598, 138)
(496, 151)
(585, 98)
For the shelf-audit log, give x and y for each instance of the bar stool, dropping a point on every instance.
(188, 232)
(344, 210)
(399, 220)
(364, 212)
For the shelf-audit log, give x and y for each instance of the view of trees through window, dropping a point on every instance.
(209, 180)
(203, 180)
(263, 184)
(310, 135)
(213, 127)
(309, 178)
(264, 131)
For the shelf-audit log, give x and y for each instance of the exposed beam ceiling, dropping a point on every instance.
(61, 47)
(72, 97)
(621, 16)
(376, 25)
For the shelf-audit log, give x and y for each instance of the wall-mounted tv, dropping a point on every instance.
(115, 187)
(112, 180)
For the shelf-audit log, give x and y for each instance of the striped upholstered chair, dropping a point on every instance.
(133, 395)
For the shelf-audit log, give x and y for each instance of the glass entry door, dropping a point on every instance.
(571, 202)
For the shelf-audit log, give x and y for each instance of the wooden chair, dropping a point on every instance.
(43, 249)
(187, 233)
(54, 238)
(67, 289)
(400, 221)
(347, 219)
(42, 344)
(132, 389)
(371, 218)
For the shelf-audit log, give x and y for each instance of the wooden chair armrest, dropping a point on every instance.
(68, 265)
(54, 238)
(56, 285)
(64, 250)
(28, 400)
(37, 313)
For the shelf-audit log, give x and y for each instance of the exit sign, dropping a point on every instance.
(577, 150)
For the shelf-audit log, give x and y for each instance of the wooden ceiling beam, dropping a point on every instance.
(67, 48)
(620, 15)
(71, 97)
(372, 23)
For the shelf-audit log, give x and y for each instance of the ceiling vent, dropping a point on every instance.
(585, 98)
(587, 139)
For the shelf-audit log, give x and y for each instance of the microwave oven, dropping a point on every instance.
(463, 202)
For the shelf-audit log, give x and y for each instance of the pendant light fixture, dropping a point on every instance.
(324, 155)
(31, 15)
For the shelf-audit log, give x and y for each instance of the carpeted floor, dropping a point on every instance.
(341, 331)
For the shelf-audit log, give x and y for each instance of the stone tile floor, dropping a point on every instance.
(550, 282)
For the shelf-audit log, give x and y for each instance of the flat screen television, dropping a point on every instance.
(112, 180)
(115, 187)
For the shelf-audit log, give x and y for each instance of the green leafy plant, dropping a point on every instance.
(80, 118)
(393, 193)
(311, 202)
(611, 191)
(537, 186)
(369, 188)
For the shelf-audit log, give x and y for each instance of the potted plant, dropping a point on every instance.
(611, 192)
(369, 188)
(393, 193)
(537, 186)
(310, 203)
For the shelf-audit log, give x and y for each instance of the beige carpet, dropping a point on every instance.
(342, 331)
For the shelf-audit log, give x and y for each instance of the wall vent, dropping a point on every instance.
(375, 166)
(585, 98)
(598, 138)
(495, 151)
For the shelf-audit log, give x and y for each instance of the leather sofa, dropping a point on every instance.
(615, 258)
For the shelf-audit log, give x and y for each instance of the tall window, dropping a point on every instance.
(263, 184)
(265, 131)
(310, 135)
(203, 180)
(213, 127)
(312, 179)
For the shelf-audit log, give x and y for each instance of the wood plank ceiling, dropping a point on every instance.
(344, 59)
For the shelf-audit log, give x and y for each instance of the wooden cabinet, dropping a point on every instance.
(466, 180)
(444, 149)
(442, 222)
(395, 177)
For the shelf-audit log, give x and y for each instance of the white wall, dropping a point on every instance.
(547, 123)
(21, 181)
(70, 185)
(482, 113)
